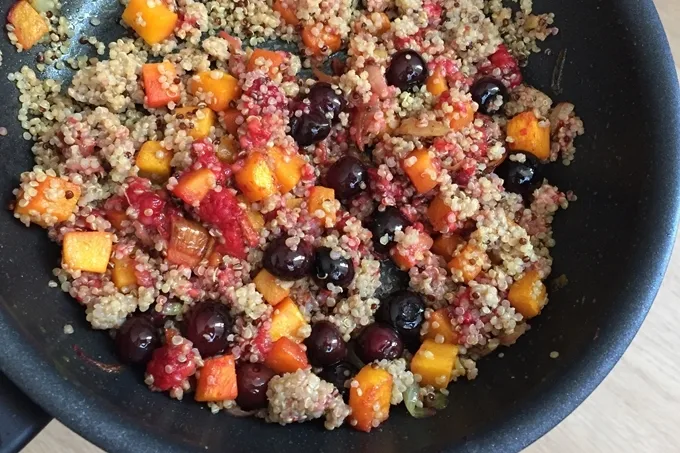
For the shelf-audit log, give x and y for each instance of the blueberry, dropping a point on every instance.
(346, 176)
(405, 311)
(285, 263)
(329, 268)
(325, 345)
(486, 91)
(407, 71)
(520, 177)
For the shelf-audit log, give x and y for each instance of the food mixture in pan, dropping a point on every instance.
(227, 211)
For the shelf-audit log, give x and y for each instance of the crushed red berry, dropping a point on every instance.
(262, 97)
(172, 364)
(152, 206)
(502, 64)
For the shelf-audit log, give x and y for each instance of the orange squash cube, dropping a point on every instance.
(462, 116)
(203, 120)
(153, 20)
(446, 245)
(286, 356)
(54, 202)
(116, 218)
(421, 170)
(286, 9)
(255, 179)
(369, 397)
(194, 185)
(217, 381)
(528, 295)
(467, 264)
(439, 327)
(123, 273)
(320, 42)
(287, 168)
(322, 204)
(87, 251)
(407, 256)
(527, 133)
(159, 86)
(261, 57)
(293, 203)
(217, 88)
(438, 214)
(29, 25)
(229, 118)
(154, 161)
(287, 321)
(436, 83)
(270, 288)
(434, 363)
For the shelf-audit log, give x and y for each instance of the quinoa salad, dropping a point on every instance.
(321, 232)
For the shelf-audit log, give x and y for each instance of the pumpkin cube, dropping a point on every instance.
(261, 58)
(116, 218)
(202, 120)
(29, 25)
(159, 86)
(421, 170)
(439, 328)
(462, 116)
(434, 363)
(154, 161)
(528, 294)
(217, 88)
(270, 287)
(286, 9)
(286, 356)
(87, 251)
(369, 397)
(287, 321)
(229, 120)
(194, 185)
(527, 133)
(287, 168)
(320, 41)
(467, 264)
(323, 205)
(446, 245)
(439, 214)
(436, 83)
(217, 381)
(255, 179)
(411, 250)
(153, 20)
(123, 274)
(54, 201)
(226, 149)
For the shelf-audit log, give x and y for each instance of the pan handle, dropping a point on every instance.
(20, 418)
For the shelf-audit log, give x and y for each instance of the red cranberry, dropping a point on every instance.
(252, 380)
(208, 327)
(378, 342)
(325, 345)
(136, 340)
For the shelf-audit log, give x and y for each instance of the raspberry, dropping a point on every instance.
(152, 206)
(172, 364)
(503, 65)
(261, 97)
(257, 133)
(434, 12)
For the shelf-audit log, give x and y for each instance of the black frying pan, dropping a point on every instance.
(613, 244)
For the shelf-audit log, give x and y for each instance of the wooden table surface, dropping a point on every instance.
(634, 410)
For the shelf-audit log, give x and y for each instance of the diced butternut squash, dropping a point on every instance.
(153, 20)
(256, 220)
(446, 245)
(154, 161)
(466, 265)
(320, 41)
(436, 83)
(528, 295)
(287, 168)
(412, 251)
(286, 8)
(123, 273)
(229, 118)
(369, 398)
(287, 321)
(293, 203)
(270, 288)
(116, 218)
(528, 133)
(381, 21)
(255, 179)
(286, 356)
(227, 149)
(261, 58)
(434, 363)
(54, 201)
(87, 251)
(218, 88)
(322, 204)
(202, 120)
(421, 170)
(439, 328)
(29, 25)
(217, 381)
(462, 116)
(438, 213)
(159, 86)
(194, 185)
